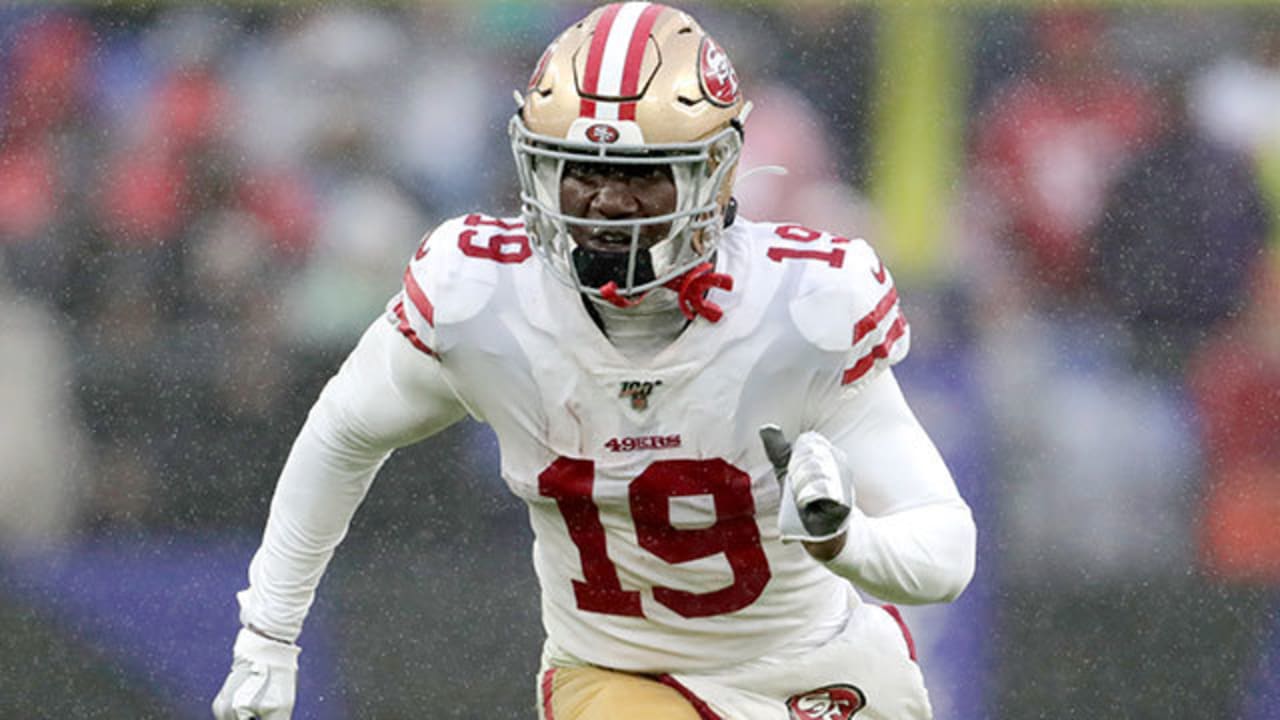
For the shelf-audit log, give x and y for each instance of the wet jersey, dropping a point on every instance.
(653, 505)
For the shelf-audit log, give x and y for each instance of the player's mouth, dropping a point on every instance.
(596, 268)
(609, 241)
(614, 240)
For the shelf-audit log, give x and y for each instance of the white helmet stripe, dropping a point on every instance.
(614, 63)
(607, 68)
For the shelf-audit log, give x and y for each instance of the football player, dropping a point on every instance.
(698, 409)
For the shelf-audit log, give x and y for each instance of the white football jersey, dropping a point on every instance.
(652, 502)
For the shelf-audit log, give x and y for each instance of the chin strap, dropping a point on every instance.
(691, 291)
(692, 288)
(609, 291)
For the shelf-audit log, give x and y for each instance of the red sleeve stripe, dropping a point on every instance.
(419, 298)
(409, 333)
(873, 318)
(879, 352)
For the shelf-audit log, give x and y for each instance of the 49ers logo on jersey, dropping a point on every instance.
(638, 391)
(719, 79)
(833, 702)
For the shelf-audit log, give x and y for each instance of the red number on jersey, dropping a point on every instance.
(798, 233)
(512, 248)
(734, 533)
(569, 481)
(476, 219)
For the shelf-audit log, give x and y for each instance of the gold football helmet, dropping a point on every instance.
(633, 83)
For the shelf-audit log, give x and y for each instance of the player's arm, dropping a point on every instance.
(390, 391)
(865, 487)
(911, 537)
(870, 496)
(387, 394)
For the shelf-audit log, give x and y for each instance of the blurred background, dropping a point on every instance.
(202, 206)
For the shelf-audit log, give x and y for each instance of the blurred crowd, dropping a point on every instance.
(1125, 185)
(202, 207)
(200, 210)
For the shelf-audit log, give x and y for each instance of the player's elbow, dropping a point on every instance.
(918, 557)
(956, 556)
(950, 553)
(961, 560)
(332, 428)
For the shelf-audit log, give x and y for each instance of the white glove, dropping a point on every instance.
(817, 488)
(262, 682)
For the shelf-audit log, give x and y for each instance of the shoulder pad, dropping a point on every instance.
(845, 301)
(453, 274)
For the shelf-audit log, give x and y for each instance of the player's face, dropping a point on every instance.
(616, 192)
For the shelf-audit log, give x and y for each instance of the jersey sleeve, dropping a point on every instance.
(383, 397)
(912, 537)
(849, 305)
(452, 276)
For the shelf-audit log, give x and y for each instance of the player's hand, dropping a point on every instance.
(262, 682)
(817, 488)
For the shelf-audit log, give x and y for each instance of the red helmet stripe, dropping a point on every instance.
(635, 59)
(591, 75)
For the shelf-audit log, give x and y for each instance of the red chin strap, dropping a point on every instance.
(692, 289)
(691, 292)
(609, 291)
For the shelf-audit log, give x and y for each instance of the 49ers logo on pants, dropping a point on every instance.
(833, 702)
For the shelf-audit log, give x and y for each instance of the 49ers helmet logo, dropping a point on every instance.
(719, 79)
(603, 134)
(833, 702)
